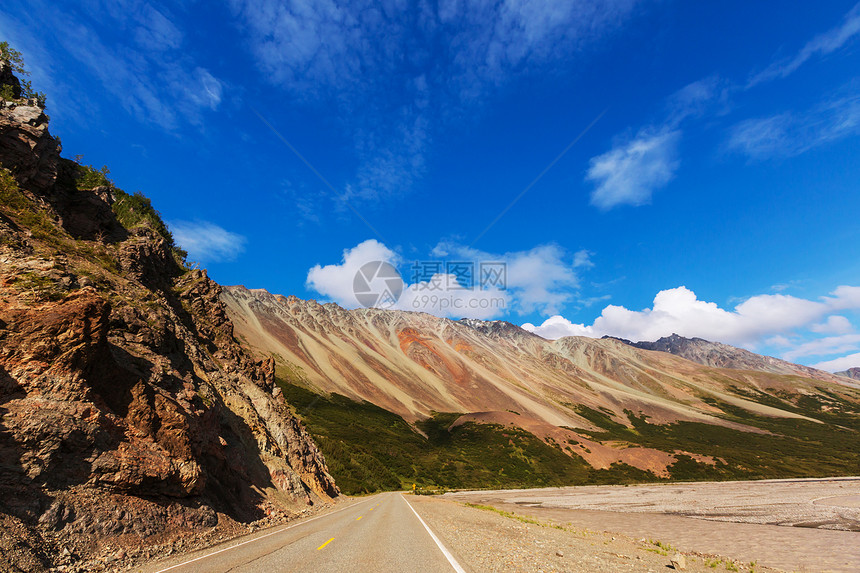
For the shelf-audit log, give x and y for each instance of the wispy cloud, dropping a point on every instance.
(630, 172)
(825, 346)
(207, 242)
(821, 45)
(789, 134)
(391, 69)
(635, 167)
(144, 67)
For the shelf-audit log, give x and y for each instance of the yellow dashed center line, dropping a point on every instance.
(371, 509)
(359, 517)
(326, 543)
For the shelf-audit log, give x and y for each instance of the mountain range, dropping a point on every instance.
(583, 395)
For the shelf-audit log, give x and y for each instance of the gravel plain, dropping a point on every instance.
(486, 541)
(792, 525)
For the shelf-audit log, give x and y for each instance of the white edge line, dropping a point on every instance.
(262, 537)
(444, 550)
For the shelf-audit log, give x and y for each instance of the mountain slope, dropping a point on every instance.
(566, 391)
(128, 413)
(853, 373)
(722, 355)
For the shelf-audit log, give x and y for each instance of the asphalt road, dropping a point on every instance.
(381, 533)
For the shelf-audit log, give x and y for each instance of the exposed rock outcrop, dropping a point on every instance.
(721, 355)
(128, 412)
(853, 373)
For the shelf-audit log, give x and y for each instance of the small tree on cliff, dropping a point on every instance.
(13, 58)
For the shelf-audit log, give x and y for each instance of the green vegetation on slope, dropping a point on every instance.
(787, 447)
(131, 210)
(371, 449)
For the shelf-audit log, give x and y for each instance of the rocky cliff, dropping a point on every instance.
(129, 415)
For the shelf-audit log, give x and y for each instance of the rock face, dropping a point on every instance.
(127, 409)
(853, 373)
(722, 355)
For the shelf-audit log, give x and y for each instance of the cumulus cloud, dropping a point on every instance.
(679, 311)
(834, 324)
(630, 172)
(840, 364)
(335, 282)
(207, 242)
(541, 280)
(821, 45)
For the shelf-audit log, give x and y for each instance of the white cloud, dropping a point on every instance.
(378, 64)
(696, 98)
(308, 46)
(840, 364)
(790, 134)
(825, 346)
(821, 45)
(558, 327)
(834, 324)
(629, 173)
(541, 280)
(207, 242)
(336, 281)
(679, 311)
(582, 258)
(147, 69)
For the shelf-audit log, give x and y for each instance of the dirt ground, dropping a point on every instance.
(794, 525)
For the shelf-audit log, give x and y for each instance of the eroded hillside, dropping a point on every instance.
(128, 413)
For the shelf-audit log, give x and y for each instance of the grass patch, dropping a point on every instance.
(41, 287)
(27, 214)
(511, 515)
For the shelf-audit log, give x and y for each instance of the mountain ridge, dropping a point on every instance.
(723, 355)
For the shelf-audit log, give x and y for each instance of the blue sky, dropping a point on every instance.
(641, 168)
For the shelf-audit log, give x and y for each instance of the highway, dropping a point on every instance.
(380, 533)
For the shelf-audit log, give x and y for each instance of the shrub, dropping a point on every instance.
(13, 58)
